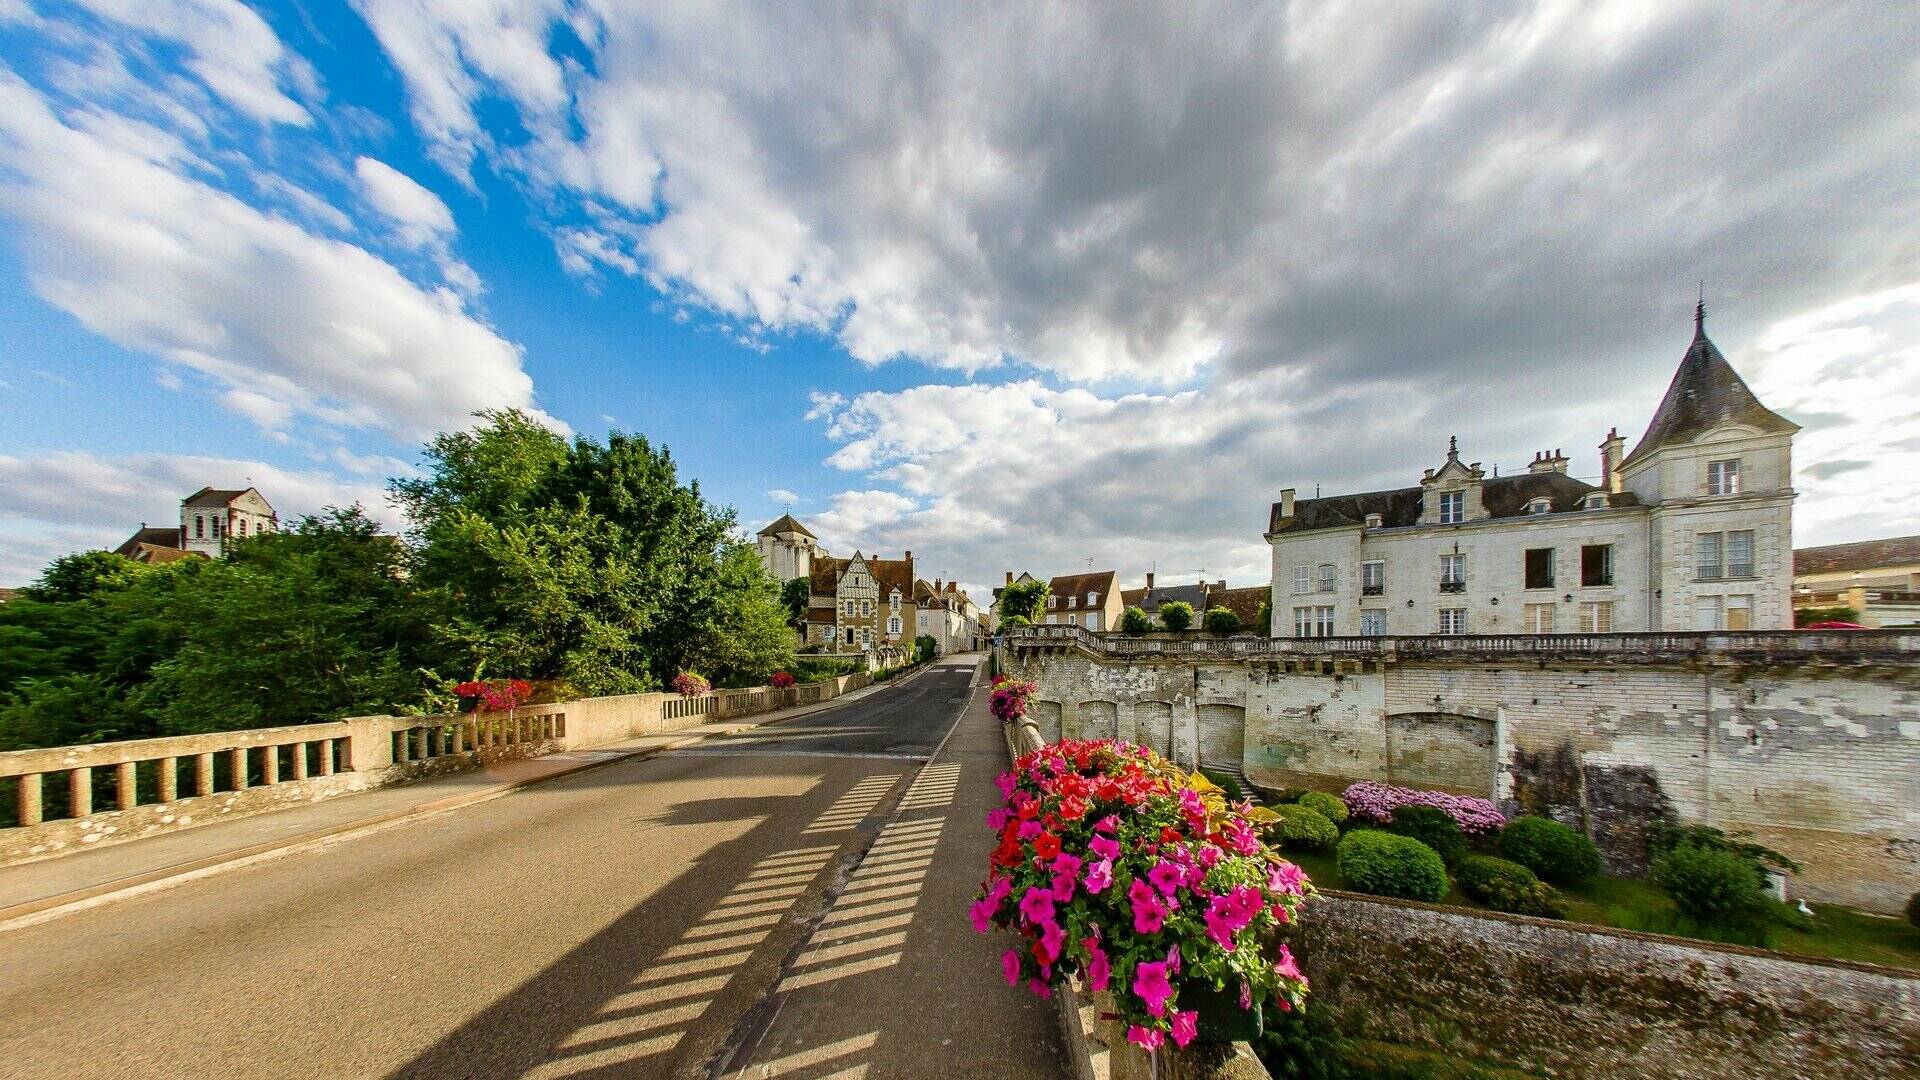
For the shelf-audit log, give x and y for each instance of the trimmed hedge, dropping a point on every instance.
(1328, 805)
(1711, 885)
(1507, 886)
(1221, 621)
(1385, 864)
(1302, 828)
(1134, 622)
(1552, 850)
(1431, 826)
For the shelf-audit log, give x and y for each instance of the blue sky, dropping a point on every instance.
(1014, 290)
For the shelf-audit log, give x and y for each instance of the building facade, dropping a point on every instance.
(1878, 579)
(209, 518)
(949, 616)
(1090, 600)
(1691, 531)
(859, 604)
(787, 549)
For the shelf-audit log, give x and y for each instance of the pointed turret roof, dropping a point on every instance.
(1705, 393)
(786, 524)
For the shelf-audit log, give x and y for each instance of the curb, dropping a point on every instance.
(37, 911)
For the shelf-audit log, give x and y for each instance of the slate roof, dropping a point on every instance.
(1149, 600)
(890, 574)
(166, 538)
(786, 523)
(1705, 393)
(1503, 496)
(1865, 555)
(1079, 585)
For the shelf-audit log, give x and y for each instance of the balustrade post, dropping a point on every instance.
(203, 775)
(237, 758)
(270, 765)
(126, 790)
(369, 743)
(300, 751)
(28, 797)
(80, 792)
(169, 779)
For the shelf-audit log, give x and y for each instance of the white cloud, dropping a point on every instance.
(269, 413)
(52, 504)
(229, 47)
(782, 496)
(158, 261)
(419, 217)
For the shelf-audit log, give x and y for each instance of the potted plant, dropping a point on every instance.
(689, 684)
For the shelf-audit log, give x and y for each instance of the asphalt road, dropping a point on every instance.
(630, 920)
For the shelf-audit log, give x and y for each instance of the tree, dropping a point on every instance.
(1263, 619)
(1023, 599)
(741, 635)
(1176, 615)
(796, 594)
(1221, 621)
(80, 575)
(1135, 621)
(1838, 613)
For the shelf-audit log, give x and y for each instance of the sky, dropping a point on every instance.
(1023, 286)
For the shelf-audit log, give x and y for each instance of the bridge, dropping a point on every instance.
(785, 901)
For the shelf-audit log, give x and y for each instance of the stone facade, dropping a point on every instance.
(945, 613)
(787, 549)
(209, 517)
(1808, 742)
(861, 604)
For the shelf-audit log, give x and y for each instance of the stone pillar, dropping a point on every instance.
(369, 743)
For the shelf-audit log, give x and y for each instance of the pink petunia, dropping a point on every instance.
(1040, 988)
(1108, 824)
(1185, 1026)
(998, 817)
(1052, 938)
(982, 914)
(1099, 970)
(1167, 876)
(1030, 829)
(1099, 876)
(1104, 847)
(1286, 966)
(1010, 966)
(1149, 913)
(1144, 1037)
(1151, 986)
(1036, 906)
(1006, 782)
(1287, 879)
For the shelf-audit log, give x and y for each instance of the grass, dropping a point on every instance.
(1838, 933)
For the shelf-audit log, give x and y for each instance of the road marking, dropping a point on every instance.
(751, 751)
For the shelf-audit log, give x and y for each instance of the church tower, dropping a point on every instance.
(787, 549)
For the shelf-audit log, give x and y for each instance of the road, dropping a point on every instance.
(649, 918)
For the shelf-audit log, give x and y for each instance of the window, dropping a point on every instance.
(1313, 622)
(893, 626)
(1739, 613)
(1052, 602)
(1326, 577)
(1453, 507)
(1723, 556)
(1453, 620)
(1453, 573)
(1723, 477)
(1596, 617)
(1540, 506)
(1303, 578)
(1596, 501)
(1596, 564)
(1373, 578)
(216, 528)
(866, 607)
(243, 526)
(1093, 599)
(1539, 568)
(199, 526)
(866, 636)
(1709, 613)
(893, 601)
(1373, 623)
(1072, 601)
(1540, 619)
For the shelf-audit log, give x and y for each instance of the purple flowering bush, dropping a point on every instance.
(1116, 866)
(1368, 800)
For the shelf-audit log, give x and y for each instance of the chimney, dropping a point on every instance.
(1150, 573)
(909, 556)
(1286, 504)
(936, 584)
(1610, 449)
(1009, 577)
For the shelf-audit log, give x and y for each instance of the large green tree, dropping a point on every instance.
(1023, 599)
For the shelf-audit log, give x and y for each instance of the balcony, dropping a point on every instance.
(1373, 590)
(1453, 586)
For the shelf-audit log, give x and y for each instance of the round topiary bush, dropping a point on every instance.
(1176, 615)
(1302, 828)
(1386, 864)
(1134, 622)
(1431, 826)
(1221, 621)
(1711, 884)
(1913, 909)
(1552, 850)
(1507, 886)
(1329, 806)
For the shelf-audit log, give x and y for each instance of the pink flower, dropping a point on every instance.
(997, 818)
(1193, 807)
(1287, 879)
(1144, 1038)
(1286, 966)
(1036, 906)
(1098, 969)
(1209, 856)
(1040, 988)
(1173, 958)
(1167, 876)
(1030, 829)
(1240, 838)
(1006, 782)
(1150, 984)
(1149, 914)
(1185, 1026)
(1010, 965)
(1220, 922)
(1104, 847)
(1108, 824)
(1052, 937)
(1064, 863)
(982, 913)
(1099, 876)
(1246, 995)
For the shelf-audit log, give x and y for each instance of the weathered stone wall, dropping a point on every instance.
(1820, 760)
(1583, 1002)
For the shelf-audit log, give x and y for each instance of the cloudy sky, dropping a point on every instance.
(1014, 286)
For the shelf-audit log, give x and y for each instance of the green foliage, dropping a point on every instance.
(1385, 864)
(1711, 885)
(1014, 622)
(1302, 1044)
(1225, 783)
(1431, 826)
(1135, 622)
(1507, 886)
(1302, 828)
(924, 648)
(1176, 615)
(1329, 806)
(82, 574)
(1555, 852)
(1913, 909)
(794, 595)
(813, 669)
(1666, 835)
(1263, 619)
(1023, 600)
(1838, 613)
(1221, 621)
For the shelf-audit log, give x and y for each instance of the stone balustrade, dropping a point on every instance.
(67, 798)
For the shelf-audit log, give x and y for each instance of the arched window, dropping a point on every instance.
(216, 526)
(243, 526)
(199, 526)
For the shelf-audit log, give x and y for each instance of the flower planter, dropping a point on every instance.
(1222, 1019)
(468, 703)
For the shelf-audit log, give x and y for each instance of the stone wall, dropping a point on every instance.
(1813, 751)
(1582, 1002)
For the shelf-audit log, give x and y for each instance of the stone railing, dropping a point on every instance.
(68, 798)
(1831, 647)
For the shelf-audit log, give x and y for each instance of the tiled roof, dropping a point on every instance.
(207, 496)
(144, 535)
(1098, 581)
(1244, 602)
(1864, 555)
(157, 554)
(1705, 393)
(786, 523)
(1149, 600)
(890, 574)
(1503, 496)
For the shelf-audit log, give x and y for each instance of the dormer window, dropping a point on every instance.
(1540, 506)
(1596, 501)
(1093, 599)
(1453, 507)
(1375, 521)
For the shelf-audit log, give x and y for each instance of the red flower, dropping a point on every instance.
(1169, 835)
(1008, 853)
(1073, 808)
(1046, 845)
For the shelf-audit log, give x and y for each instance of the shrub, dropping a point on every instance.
(690, 684)
(1134, 622)
(1711, 885)
(1507, 886)
(1376, 802)
(1302, 828)
(1225, 783)
(1176, 615)
(1221, 621)
(1384, 864)
(1014, 622)
(780, 680)
(1550, 849)
(1328, 805)
(1431, 826)
(1301, 1044)
(1913, 909)
(1664, 836)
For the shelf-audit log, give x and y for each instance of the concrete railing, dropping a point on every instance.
(1841, 647)
(69, 798)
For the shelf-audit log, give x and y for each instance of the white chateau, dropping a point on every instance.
(1693, 530)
